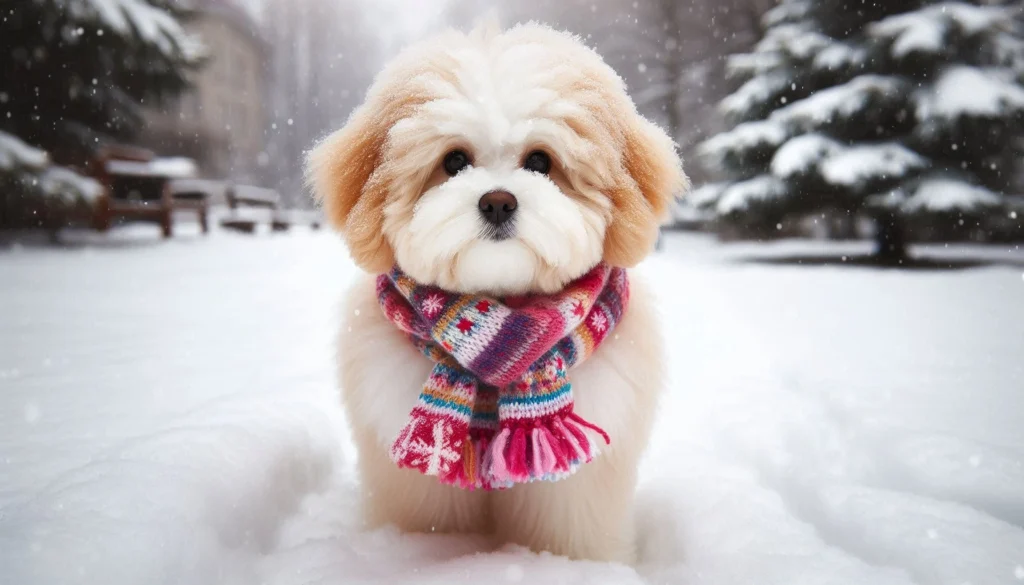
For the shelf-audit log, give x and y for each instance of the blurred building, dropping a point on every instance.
(222, 121)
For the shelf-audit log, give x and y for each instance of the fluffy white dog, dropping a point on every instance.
(500, 163)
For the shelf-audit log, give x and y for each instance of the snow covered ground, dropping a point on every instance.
(168, 415)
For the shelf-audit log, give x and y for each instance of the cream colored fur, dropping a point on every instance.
(498, 96)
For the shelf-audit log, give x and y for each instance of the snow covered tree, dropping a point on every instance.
(905, 110)
(75, 72)
(32, 189)
(73, 75)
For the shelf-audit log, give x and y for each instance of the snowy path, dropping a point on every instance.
(168, 415)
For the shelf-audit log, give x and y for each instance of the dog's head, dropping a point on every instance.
(503, 163)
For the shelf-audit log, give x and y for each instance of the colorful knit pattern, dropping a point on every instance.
(497, 409)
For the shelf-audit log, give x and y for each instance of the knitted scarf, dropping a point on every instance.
(497, 409)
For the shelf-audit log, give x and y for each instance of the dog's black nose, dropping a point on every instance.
(497, 207)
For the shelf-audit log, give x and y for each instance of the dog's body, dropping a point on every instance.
(500, 164)
(588, 515)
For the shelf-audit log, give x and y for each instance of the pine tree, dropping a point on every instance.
(908, 111)
(75, 72)
(73, 76)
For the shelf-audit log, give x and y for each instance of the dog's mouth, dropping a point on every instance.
(499, 233)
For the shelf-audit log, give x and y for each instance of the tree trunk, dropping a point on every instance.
(890, 238)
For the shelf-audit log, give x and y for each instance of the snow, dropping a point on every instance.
(793, 39)
(214, 189)
(926, 39)
(841, 101)
(750, 64)
(169, 415)
(973, 20)
(806, 45)
(946, 195)
(848, 166)
(785, 12)
(176, 167)
(705, 195)
(1009, 51)
(15, 154)
(110, 13)
(757, 90)
(254, 193)
(699, 204)
(970, 91)
(802, 155)
(922, 31)
(839, 56)
(926, 30)
(685, 212)
(745, 136)
(130, 17)
(861, 164)
(741, 195)
(67, 184)
(58, 181)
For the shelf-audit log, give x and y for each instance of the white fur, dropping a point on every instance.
(444, 244)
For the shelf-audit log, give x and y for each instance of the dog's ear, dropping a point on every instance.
(349, 175)
(653, 178)
(340, 169)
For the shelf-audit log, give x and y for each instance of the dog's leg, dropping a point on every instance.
(586, 516)
(415, 502)
(590, 515)
(381, 375)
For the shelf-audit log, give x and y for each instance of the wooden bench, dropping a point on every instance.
(310, 218)
(240, 197)
(249, 197)
(138, 186)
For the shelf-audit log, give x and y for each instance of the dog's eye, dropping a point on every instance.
(537, 162)
(455, 161)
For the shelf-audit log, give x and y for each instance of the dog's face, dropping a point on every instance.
(499, 163)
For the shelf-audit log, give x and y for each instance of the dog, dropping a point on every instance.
(500, 163)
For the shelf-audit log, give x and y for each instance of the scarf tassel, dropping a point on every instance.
(475, 460)
(549, 451)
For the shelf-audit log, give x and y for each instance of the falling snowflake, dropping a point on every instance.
(432, 305)
(599, 322)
